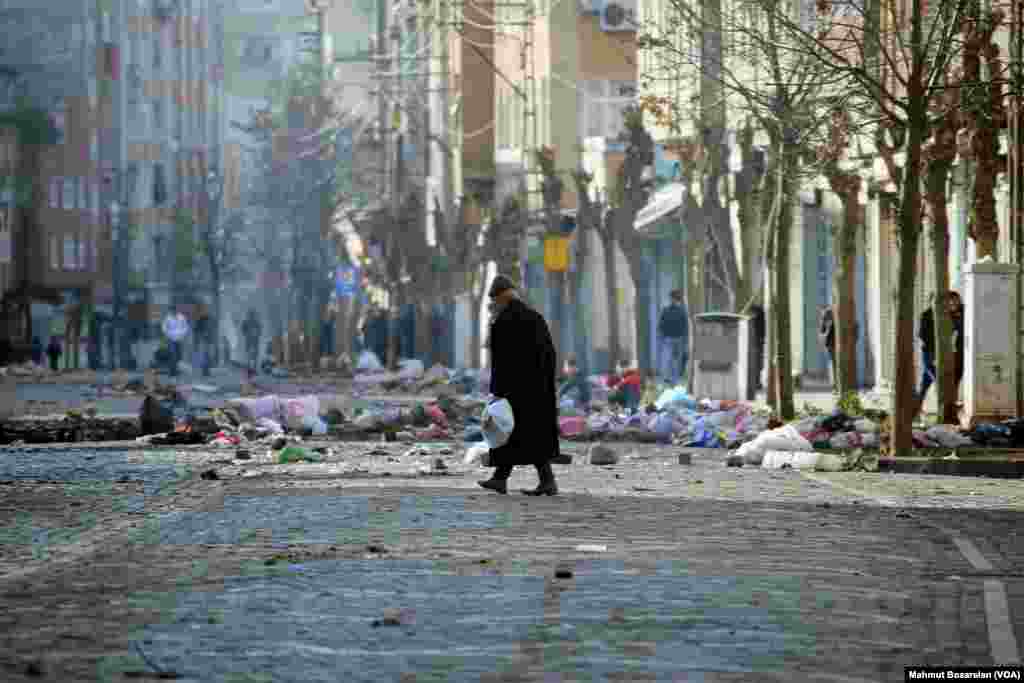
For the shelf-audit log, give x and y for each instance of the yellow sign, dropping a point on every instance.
(556, 254)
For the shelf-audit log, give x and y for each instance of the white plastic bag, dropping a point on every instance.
(477, 454)
(776, 460)
(497, 422)
(785, 438)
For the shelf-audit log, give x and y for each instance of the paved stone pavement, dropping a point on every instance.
(279, 572)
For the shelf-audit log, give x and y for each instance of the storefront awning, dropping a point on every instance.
(664, 201)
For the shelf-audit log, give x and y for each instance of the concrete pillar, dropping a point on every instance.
(990, 342)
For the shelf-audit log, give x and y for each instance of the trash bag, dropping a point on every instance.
(675, 399)
(776, 460)
(845, 440)
(947, 436)
(271, 426)
(785, 438)
(866, 426)
(704, 438)
(315, 425)
(252, 409)
(296, 410)
(663, 424)
(368, 360)
(292, 454)
(497, 422)
(572, 426)
(410, 369)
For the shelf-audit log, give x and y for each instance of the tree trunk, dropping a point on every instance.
(783, 342)
(579, 305)
(556, 282)
(936, 178)
(695, 251)
(641, 310)
(611, 297)
(355, 313)
(903, 401)
(844, 292)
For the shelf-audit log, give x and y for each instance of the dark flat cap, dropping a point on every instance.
(500, 284)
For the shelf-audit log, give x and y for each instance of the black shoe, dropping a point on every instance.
(547, 486)
(499, 485)
(549, 489)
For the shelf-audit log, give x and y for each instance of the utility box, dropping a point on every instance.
(990, 343)
(723, 357)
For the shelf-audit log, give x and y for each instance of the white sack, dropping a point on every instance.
(785, 438)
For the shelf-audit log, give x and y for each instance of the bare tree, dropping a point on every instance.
(777, 96)
(897, 62)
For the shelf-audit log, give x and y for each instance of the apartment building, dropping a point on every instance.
(131, 90)
(566, 71)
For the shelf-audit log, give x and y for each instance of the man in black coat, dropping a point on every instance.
(523, 370)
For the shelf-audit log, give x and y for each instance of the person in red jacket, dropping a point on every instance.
(626, 386)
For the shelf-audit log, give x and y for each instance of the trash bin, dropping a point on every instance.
(723, 357)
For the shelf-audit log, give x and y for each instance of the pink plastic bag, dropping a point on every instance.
(437, 415)
(572, 426)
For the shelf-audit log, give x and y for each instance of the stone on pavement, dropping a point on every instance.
(600, 454)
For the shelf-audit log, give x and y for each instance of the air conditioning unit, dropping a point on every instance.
(619, 15)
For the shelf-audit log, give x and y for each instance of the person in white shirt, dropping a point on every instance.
(176, 328)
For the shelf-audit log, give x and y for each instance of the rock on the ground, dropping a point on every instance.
(155, 417)
(599, 454)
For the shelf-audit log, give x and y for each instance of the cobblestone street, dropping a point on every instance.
(129, 564)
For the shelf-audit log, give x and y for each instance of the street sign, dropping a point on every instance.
(556, 254)
(346, 281)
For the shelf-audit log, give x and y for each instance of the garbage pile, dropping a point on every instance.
(245, 420)
(674, 418)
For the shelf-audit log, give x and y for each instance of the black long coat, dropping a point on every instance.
(523, 371)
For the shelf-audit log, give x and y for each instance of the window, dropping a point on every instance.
(56, 183)
(70, 253)
(604, 104)
(158, 114)
(69, 191)
(54, 253)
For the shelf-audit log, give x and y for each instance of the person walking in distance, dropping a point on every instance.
(54, 350)
(523, 371)
(252, 331)
(176, 328)
(926, 333)
(674, 330)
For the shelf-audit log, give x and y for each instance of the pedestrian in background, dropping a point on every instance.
(926, 333)
(523, 371)
(54, 350)
(252, 330)
(674, 330)
(37, 351)
(204, 342)
(176, 328)
(827, 337)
